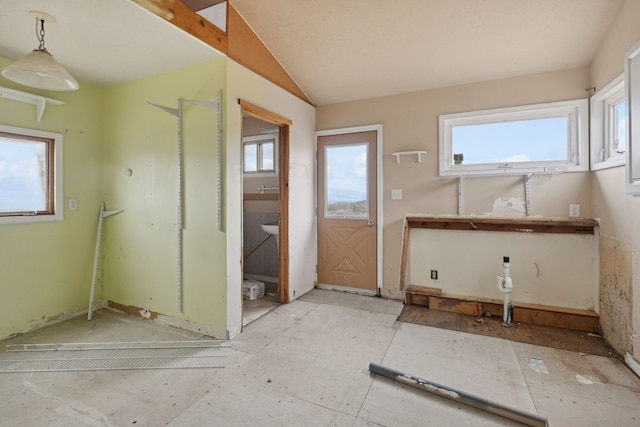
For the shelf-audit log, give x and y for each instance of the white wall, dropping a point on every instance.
(618, 212)
(246, 85)
(547, 268)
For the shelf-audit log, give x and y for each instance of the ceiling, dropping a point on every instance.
(103, 42)
(336, 50)
(341, 50)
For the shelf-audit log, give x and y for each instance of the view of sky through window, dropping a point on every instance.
(513, 141)
(22, 175)
(346, 173)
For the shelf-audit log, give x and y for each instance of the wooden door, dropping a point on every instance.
(347, 217)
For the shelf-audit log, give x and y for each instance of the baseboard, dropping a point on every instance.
(632, 363)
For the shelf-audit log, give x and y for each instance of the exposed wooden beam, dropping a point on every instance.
(239, 43)
(197, 5)
(178, 14)
(247, 49)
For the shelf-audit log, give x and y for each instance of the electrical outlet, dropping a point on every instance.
(574, 211)
(434, 274)
(73, 204)
(396, 194)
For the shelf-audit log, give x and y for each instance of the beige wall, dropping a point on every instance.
(410, 122)
(618, 212)
(46, 268)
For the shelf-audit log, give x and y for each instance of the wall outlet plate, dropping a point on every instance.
(396, 194)
(434, 274)
(574, 211)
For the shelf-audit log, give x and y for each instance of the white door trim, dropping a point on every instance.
(379, 187)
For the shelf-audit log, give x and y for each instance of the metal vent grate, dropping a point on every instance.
(113, 356)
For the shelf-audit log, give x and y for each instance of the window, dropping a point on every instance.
(260, 154)
(30, 175)
(632, 100)
(542, 138)
(608, 126)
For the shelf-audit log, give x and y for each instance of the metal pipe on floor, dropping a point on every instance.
(523, 417)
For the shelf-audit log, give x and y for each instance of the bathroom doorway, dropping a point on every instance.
(265, 211)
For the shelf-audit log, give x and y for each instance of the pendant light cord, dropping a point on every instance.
(40, 34)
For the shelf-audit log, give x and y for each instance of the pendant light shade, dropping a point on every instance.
(38, 69)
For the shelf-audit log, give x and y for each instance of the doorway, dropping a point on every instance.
(265, 160)
(348, 200)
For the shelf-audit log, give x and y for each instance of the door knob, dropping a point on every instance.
(370, 223)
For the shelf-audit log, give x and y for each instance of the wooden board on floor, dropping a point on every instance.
(453, 305)
(567, 318)
(419, 295)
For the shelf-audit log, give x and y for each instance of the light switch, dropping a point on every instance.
(73, 204)
(396, 194)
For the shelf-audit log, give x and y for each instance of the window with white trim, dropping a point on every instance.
(541, 138)
(260, 155)
(30, 175)
(608, 126)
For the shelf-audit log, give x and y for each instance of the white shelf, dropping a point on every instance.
(39, 101)
(408, 153)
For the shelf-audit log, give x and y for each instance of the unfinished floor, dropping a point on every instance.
(306, 363)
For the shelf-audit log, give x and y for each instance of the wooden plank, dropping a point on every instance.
(247, 49)
(573, 321)
(263, 114)
(416, 299)
(133, 310)
(522, 225)
(187, 20)
(424, 290)
(403, 255)
(452, 305)
(419, 295)
(540, 307)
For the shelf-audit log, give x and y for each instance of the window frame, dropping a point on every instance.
(632, 99)
(577, 145)
(55, 168)
(258, 140)
(601, 126)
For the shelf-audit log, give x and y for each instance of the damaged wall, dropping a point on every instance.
(615, 292)
(617, 212)
(554, 269)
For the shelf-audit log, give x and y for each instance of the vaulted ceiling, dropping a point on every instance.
(336, 50)
(341, 50)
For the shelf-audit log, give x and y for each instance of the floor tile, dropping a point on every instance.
(236, 403)
(324, 358)
(344, 299)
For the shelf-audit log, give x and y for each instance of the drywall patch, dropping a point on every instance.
(615, 292)
(508, 207)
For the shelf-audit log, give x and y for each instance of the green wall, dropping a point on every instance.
(45, 268)
(140, 264)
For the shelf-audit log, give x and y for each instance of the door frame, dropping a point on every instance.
(379, 192)
(283, 179)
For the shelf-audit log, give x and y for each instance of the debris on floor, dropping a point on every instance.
(252, 289)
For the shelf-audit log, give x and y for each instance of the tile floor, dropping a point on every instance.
(306, 363)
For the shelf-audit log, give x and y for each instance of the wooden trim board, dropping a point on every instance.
(523, 225)
(536, 314)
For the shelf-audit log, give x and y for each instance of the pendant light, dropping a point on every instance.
(38, 69)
